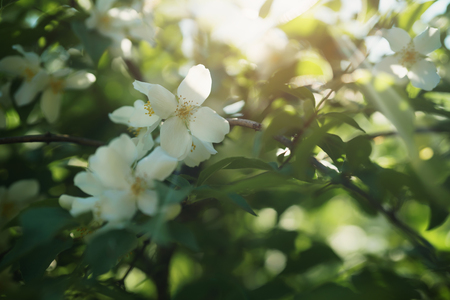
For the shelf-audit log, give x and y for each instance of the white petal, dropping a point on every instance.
(110, 168)
(428, 41)
(424, 75)
(104, 5)
(147, 202)
(125, 147)
(13, 65)
(175, 138)
(122, 115)
(142, 115)
(162, 101)
(390, 65)
(397, 38)
(23, 190)
(201, 152)
(79, 80)
(82, 205)
(65, 201)
(144, 142)
(208, 126)
(89, 183)
(31, 57)
(116, 206)
(29, 89)
(196, 87)
(157, 165)
(51, 105)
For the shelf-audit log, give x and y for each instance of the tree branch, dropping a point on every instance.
(50, 138)
(245, 123)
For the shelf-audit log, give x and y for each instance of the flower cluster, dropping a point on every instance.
(120, 185)
(36, 79)
(409, 59)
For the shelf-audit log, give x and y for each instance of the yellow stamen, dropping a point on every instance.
(185, 110)
(56, 85)
(135, 130)
(138, 186)
(29, 74)
(408, 56)
(149, 109)
(193, 147)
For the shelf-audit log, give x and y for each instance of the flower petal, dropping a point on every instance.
(175, 138)
(13, 65)
(104, 5)
(65, 201)
(117, 206)
(397, 38)
(208, 126)
(81, 205)
(162, 101)
(196, 87)
(157, 165)
(23, 190)
(79, 80)
(201, 152)
(147, 202)
(142, 116)
(31, 57)
(29, 89)
(428, 41)
(144, 142)
(122, 115)
(50, 105)
(125, 148)
(390, 65)
(110, 168)
(89, 183)
(424, 75)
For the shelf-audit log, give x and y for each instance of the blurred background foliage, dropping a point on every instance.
(317, 233)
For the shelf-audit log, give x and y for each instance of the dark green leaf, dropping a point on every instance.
(329, 291)
(438, 215)
(34, 264)
(94, 43)
(232, 163)
(178, 181)
(358, 152)
(180, 233)
(241, 202)
(275, 289)
(317, 254)
(169, 195)
(333, 146)
(343, 118)
(104, 251)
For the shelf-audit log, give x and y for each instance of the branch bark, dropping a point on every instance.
(50, 138)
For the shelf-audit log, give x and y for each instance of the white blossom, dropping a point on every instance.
(410, 57)
(117, 188)
(16, 197)
(187, 125)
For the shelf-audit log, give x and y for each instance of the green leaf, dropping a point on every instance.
(317, 254)
(178, 181)
(232, 163)
(329, 291)
(333, 146)
(34, 264)
(283, 123)
(358, 152)
(94, 43)
(180, 233)
(39, 225)
(275, 289)
(261, 181)
(343, 118)
(167, 195)
(103, 252)
(241, 202)
(438, 215)
(265, 8)
(411, 14)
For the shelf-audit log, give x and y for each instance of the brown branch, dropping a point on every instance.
(50, 138)
(245, 123)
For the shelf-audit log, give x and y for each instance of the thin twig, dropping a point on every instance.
(245, 123)
(135, 72)
(121, 282)
(50, 138)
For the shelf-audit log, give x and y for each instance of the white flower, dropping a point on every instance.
(29, 68)
(118, 190)
(184, 116)
(141, 120)
(410, 57)
(18, 196)
(55, 84)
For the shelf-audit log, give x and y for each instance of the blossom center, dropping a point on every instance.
(29, 74)
(57, 85)
(185, 110)
(193, 147)
(408, 56)
(149, 109)
(105, 20)
(138, 187)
